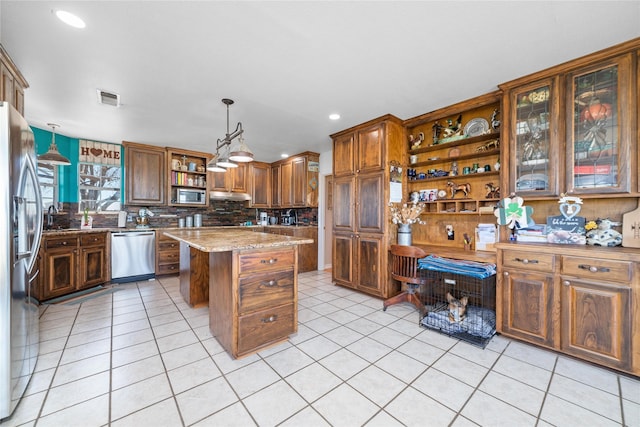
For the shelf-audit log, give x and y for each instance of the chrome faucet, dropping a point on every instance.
(52, 210)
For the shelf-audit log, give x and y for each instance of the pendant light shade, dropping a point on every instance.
(241, 153)
(53, 156)
(212, 166)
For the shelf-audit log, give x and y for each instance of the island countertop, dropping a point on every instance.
(221, 240)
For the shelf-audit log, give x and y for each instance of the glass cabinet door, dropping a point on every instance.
(534, 165)
(598, 128)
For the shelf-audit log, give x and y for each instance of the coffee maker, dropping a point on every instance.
(287, 219)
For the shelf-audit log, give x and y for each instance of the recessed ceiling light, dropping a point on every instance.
(334, 116)
(284, 155)
(70, 19)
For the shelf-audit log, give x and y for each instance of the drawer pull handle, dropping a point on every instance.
(270, 319)
(270, 283)
(269, 261)
(593, 268)
(527, 261)
(566, 283)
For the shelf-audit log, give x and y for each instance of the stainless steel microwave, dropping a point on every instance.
(191, 196)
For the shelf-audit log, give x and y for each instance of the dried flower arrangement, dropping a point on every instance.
(408, 213)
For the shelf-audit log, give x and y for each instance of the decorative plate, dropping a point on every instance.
(442, 194)
(476, 127)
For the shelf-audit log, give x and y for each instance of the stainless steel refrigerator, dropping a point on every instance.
(20, 234)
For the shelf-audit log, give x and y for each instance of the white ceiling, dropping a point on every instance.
(287, 65)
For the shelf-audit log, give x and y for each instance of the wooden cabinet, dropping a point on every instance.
(145, 174)
(12, 83)
(259, 184)
(573, 299)
(276, 179)
(529, 297)
(294, 181)
(187, 170)
(72, 262)
(234, 180)
(572, 128)
(93, 259)
(361, 235)
(167, 255)
(307, 253)
(257, 307)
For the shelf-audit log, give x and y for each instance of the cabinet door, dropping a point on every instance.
(369, 200)
(276, 178)
(596, 322)
(145, 175)
(219, 181)
(286, 184)
(259, 184)
(599, 124)
(92, 267)
(534, 163)
(238, 178)
(368, 263)
(6, 85)
(344, 155)
(343, 262)
(60, 273)
(527, 311)
(370, 149)
(343, 201)
(299, 181)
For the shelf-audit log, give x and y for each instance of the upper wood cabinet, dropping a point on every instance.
(294, 181)
(573, 128)
(233, 180)
(12, 83)
(259, 184)
(360, 151)
(145, 174)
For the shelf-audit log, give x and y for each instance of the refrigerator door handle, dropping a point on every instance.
(24, 250)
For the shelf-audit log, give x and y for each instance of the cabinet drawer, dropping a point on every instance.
(529, 260)
(265, 290)
(93, 239)
(277, 259)
(168, 257)
(168, 269)
(601, 269)
(264, 327)
(61, 242)
(169, 245)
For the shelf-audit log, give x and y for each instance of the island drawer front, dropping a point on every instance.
(168, 268)
(169, 245)
(276, 259)
(529, 260)
(263, 290)
(93, 239)
(63, 242)
(601, 269)
(168, 257)
(263, 327)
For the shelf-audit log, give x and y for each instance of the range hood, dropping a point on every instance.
(228, 195)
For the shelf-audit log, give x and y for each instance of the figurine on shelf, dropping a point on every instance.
(437, 128)
(453, 129)
(493, 192)
(416, 142)
(454, 169)
(495, 123)
(454, 188)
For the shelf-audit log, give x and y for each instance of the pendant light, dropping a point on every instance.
(241, 153)
(53, 156)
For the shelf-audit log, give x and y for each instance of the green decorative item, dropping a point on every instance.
(513, 213)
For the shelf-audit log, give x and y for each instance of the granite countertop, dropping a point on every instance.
(64, 231)
(225, 239)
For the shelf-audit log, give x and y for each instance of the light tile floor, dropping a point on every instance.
(142, 357)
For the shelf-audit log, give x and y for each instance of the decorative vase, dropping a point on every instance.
(404, 234)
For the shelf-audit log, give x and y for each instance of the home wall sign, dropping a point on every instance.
(99, 152)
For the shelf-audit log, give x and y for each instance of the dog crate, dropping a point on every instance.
(478, 323)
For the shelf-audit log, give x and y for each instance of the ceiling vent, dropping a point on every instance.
(108, 98)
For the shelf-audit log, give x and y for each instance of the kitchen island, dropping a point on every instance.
(252, 283)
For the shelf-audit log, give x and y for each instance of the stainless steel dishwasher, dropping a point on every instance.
(133, 256)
